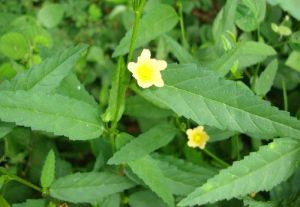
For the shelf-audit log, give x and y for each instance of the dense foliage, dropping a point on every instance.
(81, 126)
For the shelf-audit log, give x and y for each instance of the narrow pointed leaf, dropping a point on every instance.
(153, 24)
(260, 171)
(206, 98)
(147, 169)
(88, 187)
(144, 144)
(52, 113)
(48, 75)
(48, 172)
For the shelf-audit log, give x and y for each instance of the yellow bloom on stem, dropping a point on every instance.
(147, 70)
(197, 137)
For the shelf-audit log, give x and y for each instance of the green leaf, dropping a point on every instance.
(294, 41)
(183, 177)
(153, 24)
(224, 21)
(147, 169)
(48, 75)
(245, 53)
(88, 187)
(204, 97)
(14, 45)
(52, 113)
(249, 14)
(3, 202)
(31, 203)
(48, 172)
(5, 128)
(252, 174)
(110, 201)
(179, 52)
(265, 81)
(71, 87)
(253, 203)
(51, 15)
(144, 144)
(293, 60)
(143, 198)
(116, 103)
(140, 108)
(291, 6)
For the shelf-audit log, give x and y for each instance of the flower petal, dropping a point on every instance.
(159, 82)
(144, 84)
(132, 66)
(161, 64)
(146, 54)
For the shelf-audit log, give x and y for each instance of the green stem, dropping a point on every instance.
(20, 180)
(285, 99)
(216, 158)
(183, 38)
(137, 16)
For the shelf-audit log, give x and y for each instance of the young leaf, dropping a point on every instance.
(179, 52)
(51, 14)
(52, 113)
(252, 174)
(249, 14)
(146, 168)
(245, 53)
(204, 97)
(88, 187)
(183, 177)
(144, 144)
(48, 75)
(48, 172)
(293, 60)
(265, 81)
(156, 22)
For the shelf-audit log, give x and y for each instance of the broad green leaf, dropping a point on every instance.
(144, 144)
(249, 14)
(252, 174)
(14, 45)
(147, 169)
(204, 97)
(143, 198)
(71, 87)
(5, 128)
(293, 61)
(245, 54)
(51, 15)
(183, 177)
(265, 81)
(153, 24)
(139, 107)
(179, 52)
(88, 187)
(48, 172)
(52, 113)
(31, 203)
(116, 103)
(48, 75)
(291, 6)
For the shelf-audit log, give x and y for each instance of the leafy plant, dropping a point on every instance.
(149, 103)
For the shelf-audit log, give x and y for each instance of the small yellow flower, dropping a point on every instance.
(197, 137)
(147, 70)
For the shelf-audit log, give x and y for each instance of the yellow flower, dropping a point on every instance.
(197, 137)
(147, 70)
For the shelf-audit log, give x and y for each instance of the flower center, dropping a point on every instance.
(145, 72)
(197, 138)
